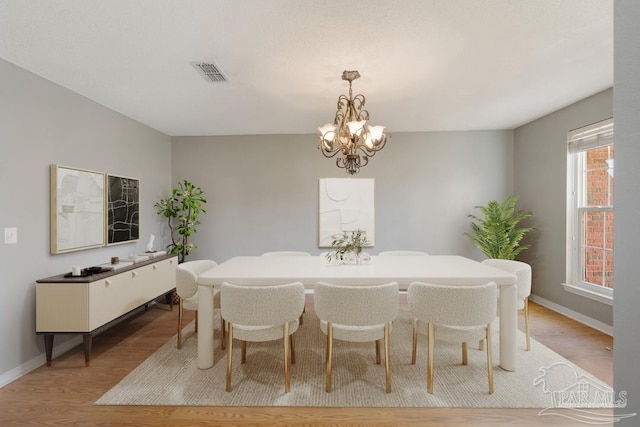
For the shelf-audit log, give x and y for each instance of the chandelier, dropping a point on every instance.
(349, 135)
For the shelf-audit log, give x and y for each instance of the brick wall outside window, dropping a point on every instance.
(597, 244)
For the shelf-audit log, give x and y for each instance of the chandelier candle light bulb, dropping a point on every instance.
(349, 134)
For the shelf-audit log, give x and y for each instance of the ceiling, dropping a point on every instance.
(426, 65)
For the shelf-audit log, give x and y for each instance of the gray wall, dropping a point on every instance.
(41, 124)
(263, 190)
(626, 107)
(540, 163)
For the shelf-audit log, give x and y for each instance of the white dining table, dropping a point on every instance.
(438, 269)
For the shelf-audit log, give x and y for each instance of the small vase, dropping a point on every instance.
(356, 258)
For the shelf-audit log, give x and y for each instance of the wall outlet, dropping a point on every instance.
(10, 235)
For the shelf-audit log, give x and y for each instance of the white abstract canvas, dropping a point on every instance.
(77, 209)
(345, 204)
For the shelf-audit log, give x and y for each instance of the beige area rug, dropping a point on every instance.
(171, 376)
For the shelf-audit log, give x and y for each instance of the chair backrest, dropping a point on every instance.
(187, 276)
(286, 253)
(402, 253)
(261, 305)
(522, 270)
(453, 305)
(356, 305)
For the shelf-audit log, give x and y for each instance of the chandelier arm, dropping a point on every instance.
(342, 113)
(366, 153)
(382, 143)
(329, 154)
(343, 101)
(370, 152)
(366, 161)
(358, 101)
(350, 114)
(363, 115)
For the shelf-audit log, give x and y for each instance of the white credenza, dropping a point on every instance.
(82, 305)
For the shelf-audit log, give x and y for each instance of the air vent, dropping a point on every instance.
(210, 71)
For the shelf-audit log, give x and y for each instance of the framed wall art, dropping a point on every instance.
(77, 209)
(345, 204)
(123, 209)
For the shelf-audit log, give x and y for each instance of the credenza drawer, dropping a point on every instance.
(62, 307)
(112, 297)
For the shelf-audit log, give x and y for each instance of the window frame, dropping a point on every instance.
(579, 142)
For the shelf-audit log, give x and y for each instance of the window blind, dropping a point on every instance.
(597, 135)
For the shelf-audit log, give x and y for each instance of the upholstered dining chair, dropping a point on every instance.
(290, 253)
(262, 313)
(453, 313)
(286, 253)
(187, 289)
(402, 253)
(357, 313)
(522, 271)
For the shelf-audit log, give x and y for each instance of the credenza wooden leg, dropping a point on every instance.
(87, 338)
(48, 347)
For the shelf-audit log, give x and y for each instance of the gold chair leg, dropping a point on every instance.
(180, 324)
(328, 356)
(196, 328)
(414, 346)
(430, 360)
(526, 322)
(287, 359)
(292, 345)
(377, 352)
(243, 354)
(489, 359)
(229, 354)
(481, 345)
(223, 326)
(465, 360)
(387, 361)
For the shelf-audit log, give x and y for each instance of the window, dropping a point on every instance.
(590, 211)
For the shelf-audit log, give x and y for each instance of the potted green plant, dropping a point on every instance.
(348, 246)
(181, 210)
(496, 233)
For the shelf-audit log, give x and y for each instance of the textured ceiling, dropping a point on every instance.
(426, 65)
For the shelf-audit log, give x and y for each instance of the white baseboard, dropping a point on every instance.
(578, 317)
(38, 361)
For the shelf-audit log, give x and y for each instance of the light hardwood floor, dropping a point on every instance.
(63, 394)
